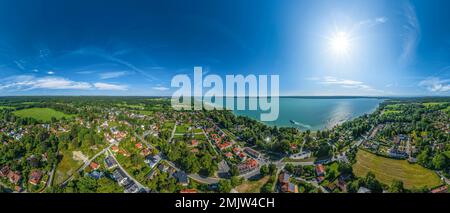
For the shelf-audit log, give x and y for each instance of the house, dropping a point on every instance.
(242, 156)
(35, 177)
(162, 167)
(284, 178)
(4, 171)
(14, 177)
(181, 178)
(289, 188)
(247, 166)
(124, 153)
(96, 175)
(194, 143)
(110, 162)
(138, 145)
(152, 160)
(229, 155)
(364, 190)
(320, 170)
(442, 189)
(94, 165)
(252, 152)
(120, 177)
(131, 188)
(144, 152)
(115, 149)
(236, 150)
(188, 191)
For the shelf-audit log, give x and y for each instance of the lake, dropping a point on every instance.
(316, 113)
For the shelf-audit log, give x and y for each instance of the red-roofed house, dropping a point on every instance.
(320, 170)
(94, 165)
(138, 145)
(194, 143)
(115, 149)
(14, 177)
(188, 191)
(35, 177)
(442, 189)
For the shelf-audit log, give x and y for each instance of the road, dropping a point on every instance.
(128, 175)
(173, 132)
(314, 183)
(196, 177)
(88, 162)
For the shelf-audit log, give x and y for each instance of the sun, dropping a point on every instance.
(340, 43)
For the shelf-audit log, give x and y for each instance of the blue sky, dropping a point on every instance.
(391, 48)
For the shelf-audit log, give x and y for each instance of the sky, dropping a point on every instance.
(367, 48)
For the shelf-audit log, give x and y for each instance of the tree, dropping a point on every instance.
(272, 168)
(396, 187)
(372, 183)
(224, 186)
(234, 171)
(439, 161)
(264, 170)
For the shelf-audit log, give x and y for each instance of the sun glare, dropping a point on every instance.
(340, 43)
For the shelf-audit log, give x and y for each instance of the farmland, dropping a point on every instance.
(386, 170)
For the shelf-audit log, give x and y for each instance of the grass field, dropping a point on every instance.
(386, 170)
(66, 168)
(42, 114)
(252, 186)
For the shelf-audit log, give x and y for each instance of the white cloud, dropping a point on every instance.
(106, 86)
(346, 83)
(434, 84)
(372, 22)
(50, 72)
(26, 82)
(411, 36)
(109, 75)
(160, 88)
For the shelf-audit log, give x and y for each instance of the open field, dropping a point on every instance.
(386, 170)
(252, 186)
(66, 167)
(42, 114)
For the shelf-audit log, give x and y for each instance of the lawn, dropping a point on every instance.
(252, 186)
(386, 170)
(66, 167)
(41, 114)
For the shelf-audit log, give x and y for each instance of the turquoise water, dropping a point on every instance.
(317, 113)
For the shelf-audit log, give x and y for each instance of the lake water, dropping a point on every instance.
(316, 113)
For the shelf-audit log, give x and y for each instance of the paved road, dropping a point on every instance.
(128, 175)
(88, 162)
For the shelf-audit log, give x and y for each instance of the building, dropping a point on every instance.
(442, 189)
(152, 160)
(110, 162)
(131, 188)
(252, 152)
(35, 177)
(364, 190)
(115, 148)
(14, 177)
(120, 177)
(181, 178)
(188, 191)
(138, 145)
(284, 178)
(4, 171)
(247, 166)
(94, 165)
(289, 188)
(320, 170)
